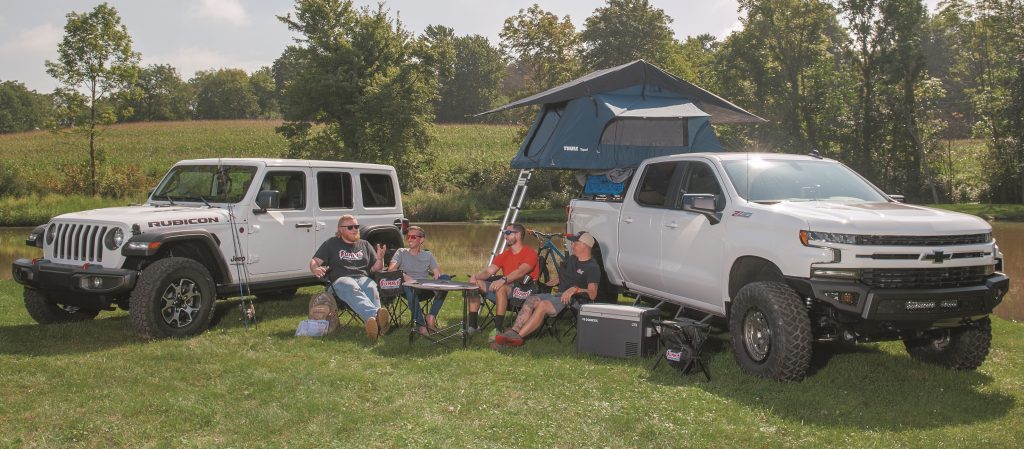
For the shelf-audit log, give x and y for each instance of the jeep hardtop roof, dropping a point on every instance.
(269, 162)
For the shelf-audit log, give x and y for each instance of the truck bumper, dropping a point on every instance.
(73, 280)
(906, 305)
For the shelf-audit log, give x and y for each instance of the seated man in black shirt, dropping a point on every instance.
(581, 275)
(347, 261)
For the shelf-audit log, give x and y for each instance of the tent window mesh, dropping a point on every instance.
(646, 132)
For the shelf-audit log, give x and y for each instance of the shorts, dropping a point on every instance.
(553, 298)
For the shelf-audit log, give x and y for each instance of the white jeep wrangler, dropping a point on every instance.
(213, 228)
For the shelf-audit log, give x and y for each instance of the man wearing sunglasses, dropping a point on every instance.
(347, 261)
(418, 263)
(517, 261)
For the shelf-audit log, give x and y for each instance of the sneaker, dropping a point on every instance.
(498, 346)
(371, 329)
(512, 338)
(472, 330)
(424, 331)
(383, 320)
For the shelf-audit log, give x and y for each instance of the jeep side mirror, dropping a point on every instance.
(897, 198)
(705, 204)
(267, 199)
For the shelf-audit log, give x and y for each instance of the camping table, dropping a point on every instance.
(442, 285)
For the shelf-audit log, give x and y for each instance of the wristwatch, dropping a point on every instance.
(505, 278)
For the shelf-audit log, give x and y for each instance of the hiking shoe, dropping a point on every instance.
(472, 330)
(498, 346)
(371, 329)
(383, 320)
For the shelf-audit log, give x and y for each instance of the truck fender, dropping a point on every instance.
(150, 245)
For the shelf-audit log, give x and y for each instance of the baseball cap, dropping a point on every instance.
(582, 236)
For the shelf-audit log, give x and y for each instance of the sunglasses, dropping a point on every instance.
(413, 237)
(509, 232)
(349, 227)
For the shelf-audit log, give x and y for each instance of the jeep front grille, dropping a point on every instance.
(924, 277)
(78, 242)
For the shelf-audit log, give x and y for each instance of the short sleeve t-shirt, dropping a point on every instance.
(346, 259)
(579, 274)
(509, 262)
(415, 266)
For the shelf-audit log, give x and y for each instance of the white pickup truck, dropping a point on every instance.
(213, 228)
(792, 250)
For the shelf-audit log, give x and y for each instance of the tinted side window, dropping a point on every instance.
(654, 186)
(290, 185)
(701, 180)
(334, 190)
(378, 190)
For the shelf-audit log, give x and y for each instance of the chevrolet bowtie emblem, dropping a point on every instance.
(937, 257)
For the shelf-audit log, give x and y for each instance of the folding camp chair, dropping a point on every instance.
(346, 315)
(392, 295)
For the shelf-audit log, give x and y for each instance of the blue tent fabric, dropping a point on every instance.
(618, 117)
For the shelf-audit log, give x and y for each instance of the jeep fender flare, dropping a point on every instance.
(155, 242)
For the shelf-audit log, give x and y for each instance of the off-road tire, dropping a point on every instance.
(961, 348)
(770, 332)
(47, 311)
(163, 303)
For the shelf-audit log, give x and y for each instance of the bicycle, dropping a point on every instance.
(549, 257)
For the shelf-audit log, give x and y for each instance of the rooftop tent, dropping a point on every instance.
(617, 117)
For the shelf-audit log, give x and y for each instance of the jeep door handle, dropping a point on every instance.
(672, 225)
(627, 220)
(303, 225)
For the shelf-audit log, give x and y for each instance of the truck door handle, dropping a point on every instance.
(672, 225)
(303, 225)
(627, 220)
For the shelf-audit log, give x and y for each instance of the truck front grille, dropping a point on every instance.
(930, 240)
(78, 242)
(924, 277)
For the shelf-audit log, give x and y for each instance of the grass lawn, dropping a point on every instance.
(95, 384)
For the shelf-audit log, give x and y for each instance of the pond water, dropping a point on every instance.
(463, 248)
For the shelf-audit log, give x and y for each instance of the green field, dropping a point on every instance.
(95, 384)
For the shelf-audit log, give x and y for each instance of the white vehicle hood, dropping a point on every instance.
(881, 218)
(150, 216)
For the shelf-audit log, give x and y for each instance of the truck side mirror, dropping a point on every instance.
(703, 203)
(897, 198)
(267, 199)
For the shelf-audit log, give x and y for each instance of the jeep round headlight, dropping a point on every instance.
(114, 239)
(51, 233)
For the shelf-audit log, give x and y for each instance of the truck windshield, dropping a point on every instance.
(210, 183)
(771, 181)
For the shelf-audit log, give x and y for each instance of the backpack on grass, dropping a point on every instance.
(322, 307)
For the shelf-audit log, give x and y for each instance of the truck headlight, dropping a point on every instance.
(806, 237)
(114, 239)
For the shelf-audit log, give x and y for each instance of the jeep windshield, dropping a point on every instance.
(205, 183)
(775, 180)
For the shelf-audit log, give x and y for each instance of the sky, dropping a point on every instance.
(194, 35)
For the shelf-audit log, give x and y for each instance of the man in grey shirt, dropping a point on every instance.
(418, 263)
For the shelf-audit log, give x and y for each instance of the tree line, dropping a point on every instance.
(882, 85)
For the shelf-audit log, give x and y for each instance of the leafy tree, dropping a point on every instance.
(469, 72)
(627, 30)
(159, 94)
(263, 86)
(545, 47)
(354, 74)
(224, 94)
(788, 64)
(22, 109)
(95, 55)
